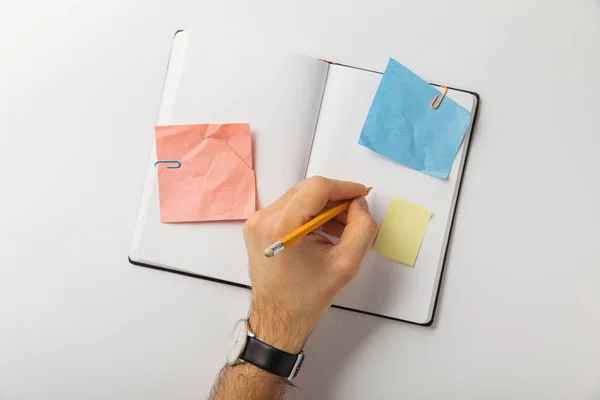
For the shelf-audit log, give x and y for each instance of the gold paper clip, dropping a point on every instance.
(433, 104)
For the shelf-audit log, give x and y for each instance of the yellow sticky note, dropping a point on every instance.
(402, 231)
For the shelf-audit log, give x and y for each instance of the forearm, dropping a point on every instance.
(291, 291)
(272, 324)
(248, 382)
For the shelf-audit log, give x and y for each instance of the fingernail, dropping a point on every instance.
(363, 203)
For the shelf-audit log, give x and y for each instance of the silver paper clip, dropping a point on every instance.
(169, 161)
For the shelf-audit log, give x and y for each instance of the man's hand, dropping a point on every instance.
(291, 290)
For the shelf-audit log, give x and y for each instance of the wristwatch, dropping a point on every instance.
(245, 347)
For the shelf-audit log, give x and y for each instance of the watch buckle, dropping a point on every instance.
(296, 367)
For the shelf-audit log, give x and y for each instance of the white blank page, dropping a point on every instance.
(215, 79)
(384, 286)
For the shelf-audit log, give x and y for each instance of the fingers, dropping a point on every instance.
(314, 193)
(356, 238)
(333, 228)
(342, 217)
(336, 226)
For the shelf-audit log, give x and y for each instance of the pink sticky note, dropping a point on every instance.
(215, 181)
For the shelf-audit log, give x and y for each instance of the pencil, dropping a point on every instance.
(309, 227)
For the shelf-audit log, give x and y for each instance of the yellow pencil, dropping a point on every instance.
(309, 227)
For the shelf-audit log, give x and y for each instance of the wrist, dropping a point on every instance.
(278, 328)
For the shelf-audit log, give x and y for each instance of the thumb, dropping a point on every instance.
(358, 234)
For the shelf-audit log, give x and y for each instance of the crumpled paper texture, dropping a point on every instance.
(216, 179)
(402, 126)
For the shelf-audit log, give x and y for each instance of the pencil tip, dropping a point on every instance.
(269, 252)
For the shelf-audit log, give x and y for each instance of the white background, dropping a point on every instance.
(80, 85)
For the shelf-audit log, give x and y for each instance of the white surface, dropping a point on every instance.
(220, 79)
(520, 308)
(384, 286)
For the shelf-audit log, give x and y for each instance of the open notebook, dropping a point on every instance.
(306, 117)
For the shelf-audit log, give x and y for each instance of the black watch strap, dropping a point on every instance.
(272, 360)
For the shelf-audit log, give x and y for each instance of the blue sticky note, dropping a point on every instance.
(402, 126)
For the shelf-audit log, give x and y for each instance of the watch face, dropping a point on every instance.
(238, 341)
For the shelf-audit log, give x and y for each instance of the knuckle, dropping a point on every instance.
(346, 269)
(318, 183)
(278, 224)
(348, 274)
(253, 223)
(249, 225)
(371, 226)
(268, 226)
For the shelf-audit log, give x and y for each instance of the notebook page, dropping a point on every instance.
(382, 286)
(230, 79)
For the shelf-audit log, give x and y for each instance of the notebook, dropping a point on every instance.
(306, 117)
